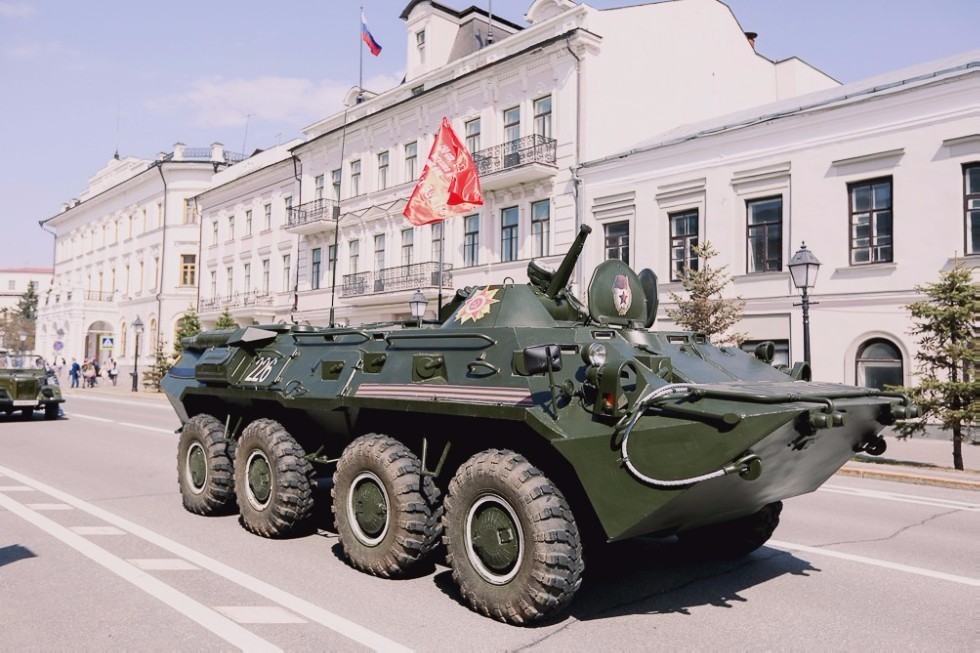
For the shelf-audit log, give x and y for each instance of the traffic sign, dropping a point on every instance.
(107, 342)
(58, 345)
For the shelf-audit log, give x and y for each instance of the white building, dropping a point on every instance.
(531, 106)
(248, 259)
(128, 248)
(880, 179)
(14, 283)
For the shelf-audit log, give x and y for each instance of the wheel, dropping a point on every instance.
(736, 538)
(273, 480)
(205, 467)
(386, 512)
(51, 411)
(511, 539)
(27, 413)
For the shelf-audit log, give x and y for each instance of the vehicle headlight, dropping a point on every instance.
(594, 354)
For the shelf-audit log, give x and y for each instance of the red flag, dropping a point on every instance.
(449, 184)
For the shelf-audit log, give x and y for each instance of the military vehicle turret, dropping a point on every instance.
(521, 426)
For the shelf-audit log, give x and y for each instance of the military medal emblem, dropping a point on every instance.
(622, 295)
(478, 305)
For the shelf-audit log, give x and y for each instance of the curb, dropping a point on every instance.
(905, 477)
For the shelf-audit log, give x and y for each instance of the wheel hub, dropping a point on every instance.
(495, 542)
(196, 467)
(259, 477)
(367, 508)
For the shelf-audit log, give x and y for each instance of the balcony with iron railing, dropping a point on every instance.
(241, 300)
(403, 277)
(311, 217)
(527, 159)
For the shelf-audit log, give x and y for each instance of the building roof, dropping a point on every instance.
(26, 270)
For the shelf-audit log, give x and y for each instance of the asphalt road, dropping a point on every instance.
(96, 553)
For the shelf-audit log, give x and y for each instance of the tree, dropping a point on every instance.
(187, 326)
(226, 321)
(161, 365)
(27, 304)
(946, 325)
(706, 310)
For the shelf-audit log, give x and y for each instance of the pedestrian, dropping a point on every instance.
(59, 366)
(74, 372)
(88, 371)
(112, 371)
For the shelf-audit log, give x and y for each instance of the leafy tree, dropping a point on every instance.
(189, 325)
(161, 364)
(27, 304)
(226, 321)
(12, 324)
(945, 323)
(706, 310)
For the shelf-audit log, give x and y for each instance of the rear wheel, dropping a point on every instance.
(511, 539)
(51, 411)
(735, 538)
(386, 511)
(273, 480)
(205, 467)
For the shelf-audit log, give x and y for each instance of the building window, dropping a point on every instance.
(472, 135)
(315, 269)
(509, 218)
(248, 277)
(354, 254)
(248, 222)
(411, 161)
(231, 228)
(190, 212)
(512, 125)
(541, 227)
(408, 246)
(318, 187)
(683, 239)
(265, 276)
(229, 282)
(286, 271)
(879, 364)
(379, 252)
(11, 285)
(382, 170)
(214, 232)
(267, 217)
(188, 269)
(420, 39)
(871, 221)
(617, 243)
(287, 202)
(335, 182)
(331, 259)
(971, 204)
(437, 241)
(764, 234)
(355, 178)
(471, 240)
(542, 117)
(214, 284)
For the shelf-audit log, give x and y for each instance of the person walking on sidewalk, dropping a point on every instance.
(74, 372)
(111, 370)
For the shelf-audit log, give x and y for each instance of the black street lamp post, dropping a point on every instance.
(804, 267)
(417, 303)
(137, 329)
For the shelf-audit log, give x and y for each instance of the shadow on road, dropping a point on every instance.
(13, 553)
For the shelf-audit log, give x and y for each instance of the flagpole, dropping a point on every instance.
(360, 56)
(442, 248)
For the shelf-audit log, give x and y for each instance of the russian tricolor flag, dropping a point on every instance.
(373, 45)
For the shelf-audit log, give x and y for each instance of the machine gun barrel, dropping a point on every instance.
(564, 271)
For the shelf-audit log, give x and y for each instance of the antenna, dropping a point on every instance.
(490, 24)
(116, 155)
(248, 117)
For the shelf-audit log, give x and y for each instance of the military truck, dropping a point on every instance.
(28, 384)
(521, 426)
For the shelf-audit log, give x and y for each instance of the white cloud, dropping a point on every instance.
(16, 10)
(218, 102)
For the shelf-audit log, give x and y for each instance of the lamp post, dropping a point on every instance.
(23, 339)
(137, 329)
(417, 303)
(804, 267)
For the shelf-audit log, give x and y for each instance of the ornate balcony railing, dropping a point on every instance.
(98, 296)
(513, 154)
(403, 277)
(314, 211)
(238, 300)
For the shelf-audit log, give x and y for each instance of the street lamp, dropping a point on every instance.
(417, 303)
(23, 339)
(137, 329)
(804, 267)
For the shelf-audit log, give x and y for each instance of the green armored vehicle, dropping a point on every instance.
(521, 426)
(27, 384)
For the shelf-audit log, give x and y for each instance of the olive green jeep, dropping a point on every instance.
(28, 384)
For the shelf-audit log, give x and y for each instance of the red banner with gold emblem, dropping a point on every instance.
(449, 184)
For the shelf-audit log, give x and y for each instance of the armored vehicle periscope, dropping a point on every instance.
(520, 427)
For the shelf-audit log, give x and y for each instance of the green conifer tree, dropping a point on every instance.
(226, 321)
(189, 325)
(706, 310)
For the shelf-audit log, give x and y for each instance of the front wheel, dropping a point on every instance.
(385, 509)
(273, 480)
(511, 539)
(204, 467)
(51, 411)
(735, 538)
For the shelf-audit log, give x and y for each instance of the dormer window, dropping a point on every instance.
(420, 39)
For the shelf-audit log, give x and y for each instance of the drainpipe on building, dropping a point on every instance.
(54, 256)
(299, 180)
(163, 256)
(574, 168)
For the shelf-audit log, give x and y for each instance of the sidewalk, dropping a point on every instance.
(919, 460)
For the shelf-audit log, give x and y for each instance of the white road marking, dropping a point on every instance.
(49, 506)
(249, 614)
(902, 498)
(789, 546)
(15, 488)
(92, 417)
(289, 601)
(97, 530)
(162, 564)
(163, 405)
(132, 425)
(215, 622)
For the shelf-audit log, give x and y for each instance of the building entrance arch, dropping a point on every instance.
(99, 341)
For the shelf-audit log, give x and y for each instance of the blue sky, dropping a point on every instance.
(80, 78)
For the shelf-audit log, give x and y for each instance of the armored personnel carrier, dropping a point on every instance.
(522, 425)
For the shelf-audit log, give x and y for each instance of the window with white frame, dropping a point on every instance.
(214, 233)
(318, 187)
(870, 209)
(331, 259)
(411, 161)
(248, 222)
(617, 240)
(541, 227)
(472, 128)
(764, 234)
(353, 256)
(408, 246)
(382, 170)
(287, 261)
(229, 282)
(512, 125)
(683, 239)
(971, 206)
(437, 240)
(315, 268)
(247, 275)
(335, 182)
(355, 178)
(265, 276)
(188, 270)
(471, 240)
(214, 284)
(231, 228)
(379, 252)
(267, 217)
(509, 220)
(542, 117)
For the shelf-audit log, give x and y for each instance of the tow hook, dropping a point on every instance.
(876, 447)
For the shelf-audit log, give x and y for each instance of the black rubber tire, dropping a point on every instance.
(51, 411)
(27, 413)
(207, 485)
(406, 524)
(736, 538)
(279, 503)
(540, 578)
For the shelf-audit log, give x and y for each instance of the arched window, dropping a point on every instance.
(122, 339)
(879, 363)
